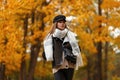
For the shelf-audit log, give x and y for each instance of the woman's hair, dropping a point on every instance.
(55, 21)
(54, 27)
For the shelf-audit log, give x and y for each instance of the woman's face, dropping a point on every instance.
(61, 25)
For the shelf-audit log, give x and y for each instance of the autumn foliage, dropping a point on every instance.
(25, 23)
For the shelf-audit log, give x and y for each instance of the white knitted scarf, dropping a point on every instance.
(48, 45)
(60, 33)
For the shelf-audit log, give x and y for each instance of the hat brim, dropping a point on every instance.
(60, 20)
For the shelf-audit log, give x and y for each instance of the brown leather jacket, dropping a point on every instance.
(57, 52)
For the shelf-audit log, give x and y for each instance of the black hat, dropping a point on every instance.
(59, 18)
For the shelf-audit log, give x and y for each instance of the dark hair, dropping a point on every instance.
(59, 18)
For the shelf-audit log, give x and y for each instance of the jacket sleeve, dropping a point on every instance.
(43, 55)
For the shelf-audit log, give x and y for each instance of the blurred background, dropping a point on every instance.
(25, 23)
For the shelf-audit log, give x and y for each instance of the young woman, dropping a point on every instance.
(55, 44)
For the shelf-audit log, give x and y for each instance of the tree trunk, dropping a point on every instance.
(90, 65)
(88, 69)
(98, 61)
(33, 60)
(106, 62)
(2, 71)
(23, 63)
(34, 49)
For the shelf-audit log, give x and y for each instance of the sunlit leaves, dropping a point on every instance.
(10, 47)
(11, 32)
(110, 4)
(43, 69)
(90, 27)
